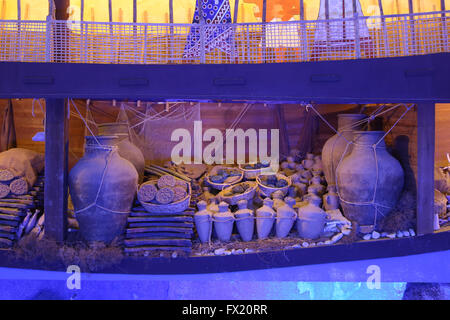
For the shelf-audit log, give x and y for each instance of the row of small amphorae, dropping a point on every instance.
(220, 219)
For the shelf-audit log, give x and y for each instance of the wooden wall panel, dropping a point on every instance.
(258, 116)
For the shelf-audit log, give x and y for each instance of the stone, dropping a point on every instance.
(367, 236)
(375, 235)
(239, 251)
(411, 232)
(337, 237)
(399, 234)
(384, 234)
(391, 235)
(174, 255)
(296, 246)
(406, 233)
(312, 244)
(247, 250)
(219, 252)
(328, 242)
(305, 244)
(227, 252)
(320, 243)
(346, 231)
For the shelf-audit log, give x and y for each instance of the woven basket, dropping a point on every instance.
(221, 186)
(267, 191)
(178, 206)
(252, 174)
(247, 195)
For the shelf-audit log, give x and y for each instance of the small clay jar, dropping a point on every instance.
(309, 161)
(223, 222)
(313, 197)
(302, 188)
(203, 222)
(331, 199)
(306, 175)
(245, 221)
(265, 217)
(207, 195)
(277, 198)
(286, 216)
(311, 220)
(291, 163)
(316, 187)
(213, 206)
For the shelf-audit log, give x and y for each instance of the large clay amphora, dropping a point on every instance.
(102, 187)
(369, 179)
(311, 219)
(127, 149)
(335, 146)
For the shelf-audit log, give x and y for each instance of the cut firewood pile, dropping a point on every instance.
(22, 215)
(169, 232)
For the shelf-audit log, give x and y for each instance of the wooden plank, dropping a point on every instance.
(12, 211)
(141, 211)
(11, 223)
(161, 219)
(160, 224)
(155, 248)
(159, 229)
(8, 229)
(5, 235)
(56, 168)
(425, 167)
(157, 242)
(383, 24)
(303, 32)
(9, 217)
(164, 235)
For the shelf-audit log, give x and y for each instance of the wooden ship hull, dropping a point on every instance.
(420, 79)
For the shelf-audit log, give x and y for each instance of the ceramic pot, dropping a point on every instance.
(277, 198)
(311, 220)
(223, 222)
(335, 146)
(331, 199)
(127, 149)
(203, 222)
(308, 163)
(286, 216)
(265, 217)
(362, 173)
(245, 221)
(104, 178)
(213, 206)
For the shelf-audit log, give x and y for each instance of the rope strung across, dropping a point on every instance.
(377, 113)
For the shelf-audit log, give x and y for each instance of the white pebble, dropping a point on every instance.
(146, 253)
(346, 232)
(174, 255)
(399, 234)
(320, 243)
(328, 242)
(367, 236)
(336, 237)
(411, 232)
(305, 244)
(238, 251)
(247, 250)
(219, 252)
(406, 233)
(296, 246)
(312, 244)
(227, 252)
(384, 234)
(391, 235)
(375, 235)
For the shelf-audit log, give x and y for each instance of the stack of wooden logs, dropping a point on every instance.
(22, 214)
(168, 232)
